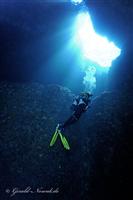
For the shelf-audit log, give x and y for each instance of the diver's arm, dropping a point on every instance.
(88, 105)
(75, 103)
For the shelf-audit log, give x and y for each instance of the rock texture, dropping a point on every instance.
(96, 167)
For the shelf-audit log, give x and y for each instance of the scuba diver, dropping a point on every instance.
(79, 106)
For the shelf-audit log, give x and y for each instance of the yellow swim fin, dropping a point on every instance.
(64, 141)
(62, 137)
(55, 135)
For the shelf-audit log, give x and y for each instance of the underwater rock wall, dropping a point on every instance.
(109, 146)
(96, 167)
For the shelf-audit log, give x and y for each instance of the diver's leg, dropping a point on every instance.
(71, 120)
(75, 117)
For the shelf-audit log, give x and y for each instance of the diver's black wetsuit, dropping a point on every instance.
(79, 107)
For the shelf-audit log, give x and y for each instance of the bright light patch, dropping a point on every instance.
(89, 79)
(76, 1)
(95, 47)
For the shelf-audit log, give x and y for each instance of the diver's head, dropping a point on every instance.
(86, 94)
